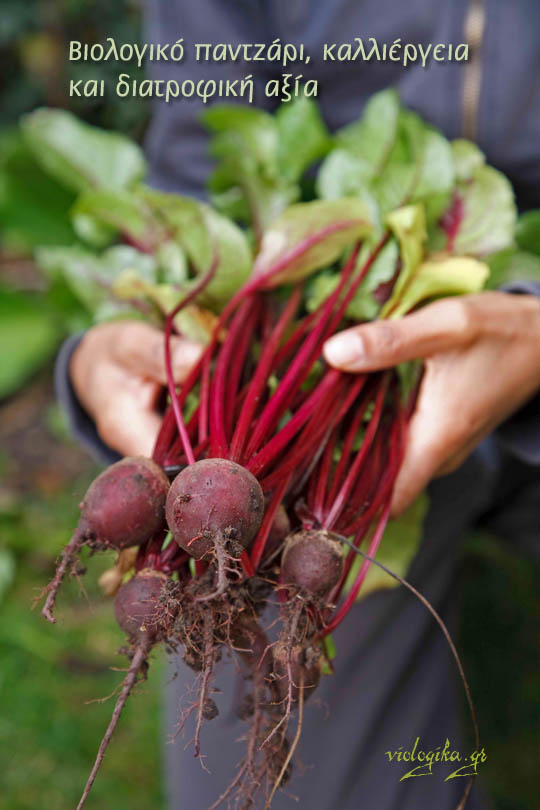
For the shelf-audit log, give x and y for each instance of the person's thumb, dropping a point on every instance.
(129, 426)
(141, 350)
(381, 344)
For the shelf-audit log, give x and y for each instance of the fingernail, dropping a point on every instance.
(344, 350)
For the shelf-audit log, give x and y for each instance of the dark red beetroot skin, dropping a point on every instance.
(138, 608)
(312, 561)
(125, 505)
(210, 499)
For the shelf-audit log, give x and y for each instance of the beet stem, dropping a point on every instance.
(205, 399)
(218, 391)
(166, 436)
(343, 463)
(321, 479)
(239, 367)
(300, 366)
(360, 577)
(260, 541)
(279, 441)
(169, 322)
(260, 378)
(371, 430)
(247, 565)
(129, 682)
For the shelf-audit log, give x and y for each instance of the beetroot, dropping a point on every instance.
(124, 506)
(312, 561)
(214, 500)
(139, 606)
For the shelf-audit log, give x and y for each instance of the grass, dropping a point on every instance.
(48, 730)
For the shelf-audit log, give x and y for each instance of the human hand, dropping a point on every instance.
(118, 373)
(482, 362)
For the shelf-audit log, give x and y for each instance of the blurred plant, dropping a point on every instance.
(34, 43)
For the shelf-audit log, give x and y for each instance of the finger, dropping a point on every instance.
(425, 452)
(129, 428)
(437, 327)
(141, 349)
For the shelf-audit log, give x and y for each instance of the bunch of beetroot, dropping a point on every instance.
(276, 458)
(279, 458)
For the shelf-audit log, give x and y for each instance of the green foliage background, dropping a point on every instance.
(48, 730)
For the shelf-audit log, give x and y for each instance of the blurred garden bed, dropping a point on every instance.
(48, 730)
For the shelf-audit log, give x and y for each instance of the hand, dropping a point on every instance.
(482, 361)
(118, 372)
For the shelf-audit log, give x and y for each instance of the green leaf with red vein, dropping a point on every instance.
(309, 236)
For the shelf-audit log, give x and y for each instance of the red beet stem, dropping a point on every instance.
(240, 366)
(247, 565)
(278, 442)
(166, 436)
(169, 323)
(320, 480)
(350, 436)
(218, 438)
(151, 552)
(299, 368)
(382, 486)
(345, 393)
(260, 541)
(204, 399)
(345, 490)
(360, 577)
(260, 378)
(306, 450)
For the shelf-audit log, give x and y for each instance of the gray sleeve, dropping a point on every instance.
(520, 434)
(80, 424)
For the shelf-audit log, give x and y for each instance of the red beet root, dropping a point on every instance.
(140, 608)
(312, 561)
(124, 506)
(214, 500)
